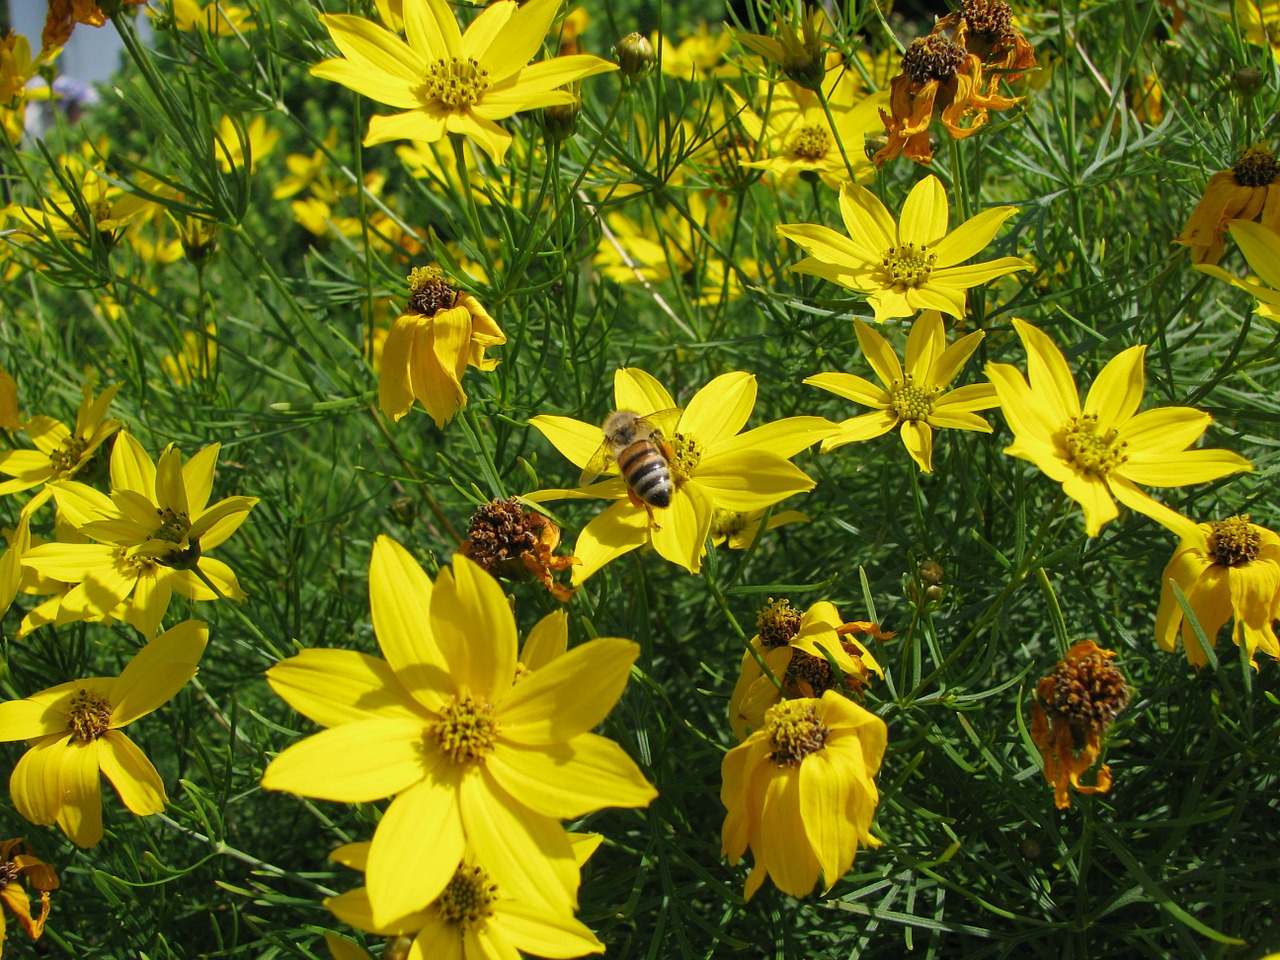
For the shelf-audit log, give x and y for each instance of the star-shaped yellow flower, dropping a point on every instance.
(447, 81)
(713, 466)
(911, 265)
(1106, 448)
(915, 400)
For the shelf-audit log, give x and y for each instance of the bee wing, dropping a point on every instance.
(598, 464)
(663, 423)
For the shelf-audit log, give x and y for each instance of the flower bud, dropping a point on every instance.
(560, 120)
(1247, 81)
(635, 56)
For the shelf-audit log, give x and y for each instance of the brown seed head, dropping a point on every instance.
(1257, 166)
(934, 57)
(777, 623)
(1234, 542)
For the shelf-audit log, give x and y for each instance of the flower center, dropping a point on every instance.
(934, 57)
(502, 529)
(811, 143)
(685, 458)
(454, 84)
(173, 526)
(66, 459)
(465, 729)
(1234, 542)
(1088, 691)
(794, 732)
(1091, 452)
(991, 18)
(430, 292)
(1257, 166)
(8, 873)
(910, 401)
(133, 566)
(726, 523)
(908, 265)
(777, 623)
(89, 716)
(468, 897)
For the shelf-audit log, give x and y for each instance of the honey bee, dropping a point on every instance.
(637, 446)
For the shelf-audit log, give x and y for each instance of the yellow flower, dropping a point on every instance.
(19, 542)
(800, 651)
(902, 268)
(917, 400)
(799, 54)
(442, 331)
(74, 732)
(447, 81)
(1258, 20)
(17, 861)
(1106, 448)
(1249, 190)
(712, 466)
(153, 533)
(801, 792)
(1227, 570)
(740, 527)
(215, 17)
(474, 912)
(699, 56)
(476, 752)
(304, 170)
(1082, 696)
(1261, 249)
(60, 452)
(237, 144)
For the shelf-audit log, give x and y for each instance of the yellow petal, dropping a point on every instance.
(924, 214)
(1180, 469)
(569, 780)
(333, 687)
(431, 29)
(917, 437)
(1117, 391)
(865, 427)
(399, 598)
(616, 531)
(131, 467)
(748, 480)
(35, 786)
(575, 439)
(395, 392)
(879, 354)
(971, 236)
(80, 815)
(568, 696)
(1048, 374)
(131, 773)
(870, 225)
(634, 389)
(784, 848)
(857, 389)
(1137, 500)
(925, 343)
(1094, 496)
(720, 409)
(357, 762)
(475, 630)
(548, 639)
(416, 849)
(158, 671)
(679, 533)
(783, 438)
(826, 780)
(197, 477)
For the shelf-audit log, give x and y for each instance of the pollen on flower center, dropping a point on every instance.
(777, 623)
(1257, 166)
(89, 716)
(1088, 691)
(991, 18)
(66, 459)
(133, 565)
(911, 401)
(8, 873)
(1234, 542)
(173, 525)
(1091, 452)
(726, 523)
(934, 57)
(430, 292)
(811, 143)
(685, 458)
(454, 84)
(466, 729)
(794, 732)
(908, 265)
(468, 898)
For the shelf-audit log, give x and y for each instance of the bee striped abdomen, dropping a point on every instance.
(645, 469)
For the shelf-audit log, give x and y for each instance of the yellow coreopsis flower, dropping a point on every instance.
(476, 752)
(801, 792)
(442, 331)
(17, 862)
(907, 266)
(712, 466)
(235, 144)
(1106, 448)
(1261, 249)
(448, 81)
(74, 732)
(152, 535)
(915, 400)
(1227, 570)
(60, 452)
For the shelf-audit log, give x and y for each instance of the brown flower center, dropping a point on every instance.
(468, 898)
(687, 455)
(815, 671)
(430, 292)
(502, 530)
(465, 729)
(8, 873)
(174, 526)
(908, 265)
(1234, 542)
(89, 716)
(911, 401)
(66, 459)
(454, 84)
(1090, 451)
(1257, 166)
(777, 623)
(934, 57)
(810, 143)
(1088, 692)
(992, 19)
(794, 732)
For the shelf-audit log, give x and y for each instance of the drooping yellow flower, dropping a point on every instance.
(152, 534)
(18, 862)
(442, 331)
(915, 400)
(1227, 570)
(801, 792)
(1261, 249)
(907, 266)
(75, 732)
(1250, 189)
(476, 752)
(60, 452)
(800, 651)
(476, 918)
(447, 81)
(713, 466)
(1072, 708)
(1106, 448)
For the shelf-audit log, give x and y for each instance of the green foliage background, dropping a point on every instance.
(1181, 858)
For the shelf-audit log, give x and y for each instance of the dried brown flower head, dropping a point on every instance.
(509, 540)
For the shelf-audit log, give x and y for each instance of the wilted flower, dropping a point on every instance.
(1261, 249)
(509, 540)
(18, 862)
(1248, 190)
